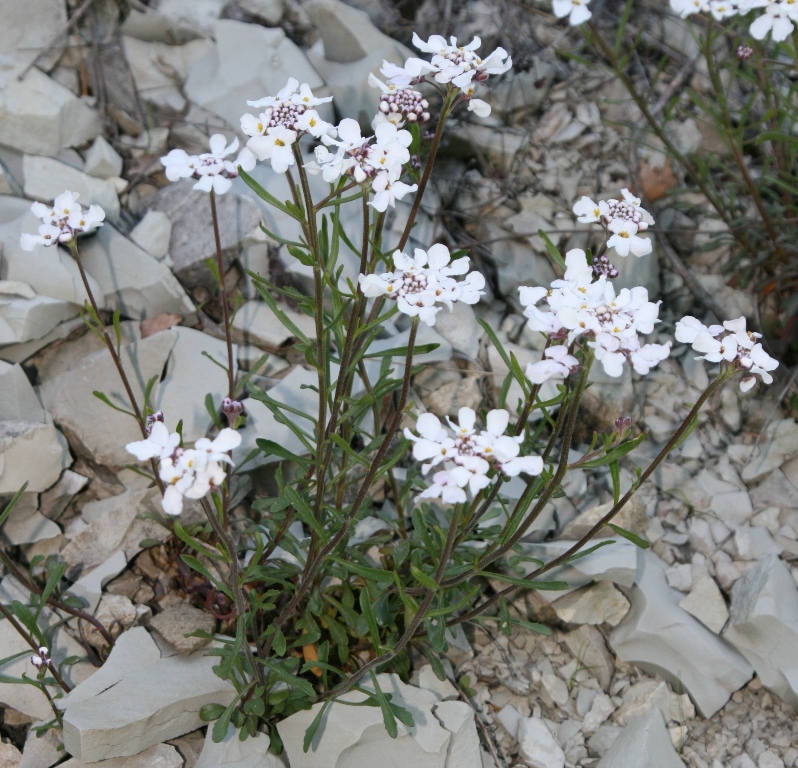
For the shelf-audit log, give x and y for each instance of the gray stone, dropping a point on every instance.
(252, 753)
(94, 429)
(48, 271)
(189, 377)
(114, 524)
(705, 600)
(267, 11)
(192, 241)
(775, 491)
(46, 178)
(26, 525)
(42, 752)
(32, 453)
(661, 637)
(23, 41)
(644, 742)
(587, 645)
(632, 516)
(90, 585)
(642, 698)
(152, 26)
(199, 14)
(159, 756)
(597, 603)
(160, 70)
(144, 708)
(255, 323)
(779, 444)
(40, 116)
(461, 329)
(153, 233)
(247, 62)
(27, 319)
(429, 681)
(343, 740)
(457, 717)
(174, 623)
(10, 756)
(538, 746)
(17, 397)
(102, 160)
(132, 280)
(763, 625)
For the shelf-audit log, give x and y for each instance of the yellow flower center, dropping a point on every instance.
(280, 143)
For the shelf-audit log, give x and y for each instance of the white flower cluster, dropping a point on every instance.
(189, 472)
(738, 346)
(556, 364)
(380, 158)
(582, 307)
(62, 221)
(622, 219)
(285, 118)
(779, 18)
(577, 11)
(419, 284)
(212, 169)
(461, 66)
(469, 456)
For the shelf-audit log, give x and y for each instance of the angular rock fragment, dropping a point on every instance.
(40, 116)
(144, 708)
(153, 233)
(255, 323)
(705, 600)
(131, 279)
(102, 160)
(46, 178)
(252, 753)
(763, 625)
(33, 453)
(159, 756)
(175, 623)
(662, 637)
(538, 746)
(644, 742)
(18, 400)
(23, 319)
(597, 603)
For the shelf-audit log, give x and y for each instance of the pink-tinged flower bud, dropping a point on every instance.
(232, 409)
(744, 52)
(623, 424)
(152, 418)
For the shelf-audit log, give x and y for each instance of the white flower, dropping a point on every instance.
(310, 122)
(218, 448)
(588, 211)
(445, 486)
(275, 146)
(478, 107)
(212, 169)
(62, 222)
(761, 365)
(689, 327)
(160, 444)
(388, 191)
(178, 164)
(625, 239)
(778, 19)
(576, 11)
(305, 97)
(556, 364)
(459, 64)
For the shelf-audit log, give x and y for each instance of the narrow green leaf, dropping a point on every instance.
(549, 586)
(423, 578)
(310, 733)
(633, 537)
(211, 712)
(11, 504)
(388, 717)
(196, 565)
(102, 396)
(212, 412)
(371, 622)
(615, 474)
(552, 250)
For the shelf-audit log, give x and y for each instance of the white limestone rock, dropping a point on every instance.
(705, 600)
(94, 429)
(173, 624)
(10, 756)
(33, 453)
(597, 603)
(40, 116)
(457, 717)
(28, 319)
(189, 377)
(191, 241)
(538, 746)
(30, 27)
(775, 491)
(131, 279)
(255, 323)
(159, 756)
(347, 740)
(248, 62)
(587, 644)
(779, 444)
(461, 329)
(55, 500)
(102, 160)
(644, 742)
(763, 625)
(662, 637)
(18, 400)
(428, 680)
(46, 178)
(26, 525)
(267, 11)
(252, 753)
(153, 234)
(90, 585)
(641, 698)
(42, 752)
(144, 708)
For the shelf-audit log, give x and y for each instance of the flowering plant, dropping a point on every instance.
(360, 552)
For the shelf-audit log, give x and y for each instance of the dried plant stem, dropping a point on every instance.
(228, 331)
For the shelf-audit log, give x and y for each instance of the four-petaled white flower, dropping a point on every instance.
(276, 147)
(576, 11)
(62, 221)
(779, 17)
(739, 347)
(468, 456)
(419, 283)
(186, 472)
(625, 240)
(557, 364)
(213, 170)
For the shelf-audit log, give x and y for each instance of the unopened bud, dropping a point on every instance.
(152, 418)
(415, 162)
(37, 662)
(623, 424)
(232, 409)
(744, 52)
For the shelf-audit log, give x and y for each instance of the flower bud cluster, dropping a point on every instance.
(62, 221)
(212, 169)
(584, 308)
(779, 17)
(186, 472)
(286, 116)
(468, 456)
(738, 347)
(622, 219)
(405, 103)
(41, 659)
(419, 284)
